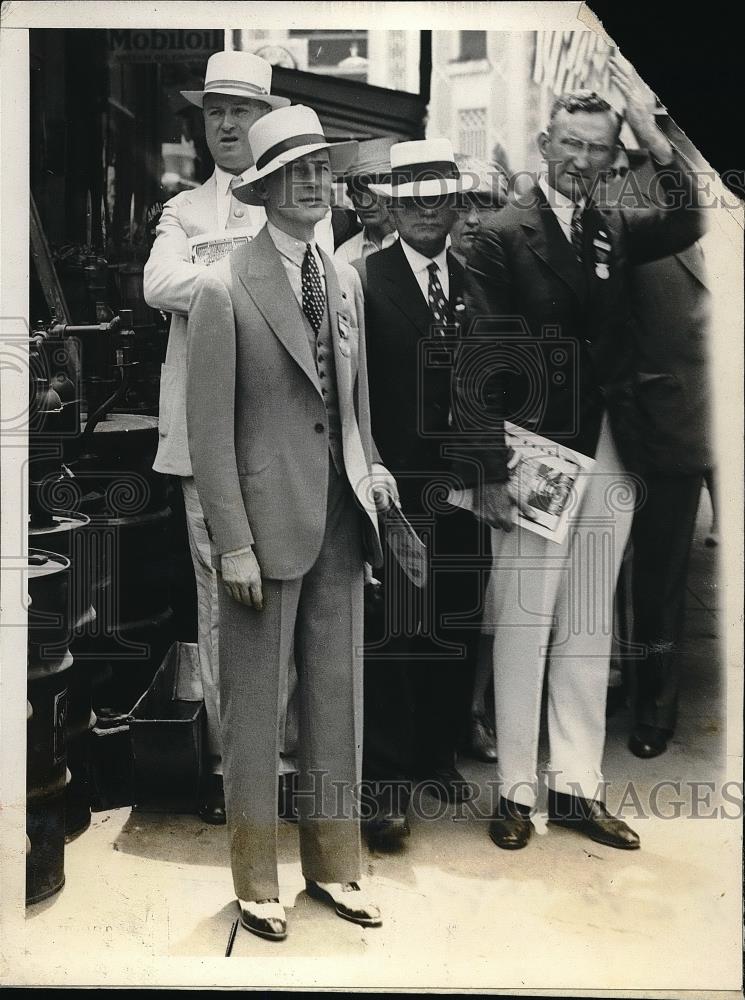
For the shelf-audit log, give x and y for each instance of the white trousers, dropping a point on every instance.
(208, 618)
(553, 603)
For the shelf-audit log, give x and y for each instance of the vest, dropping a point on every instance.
(322, 349)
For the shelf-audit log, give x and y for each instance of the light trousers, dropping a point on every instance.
(320, 614)
(551, 606)
(208, 619)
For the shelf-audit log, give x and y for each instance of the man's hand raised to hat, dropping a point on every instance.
(241, 575)
(639, 113)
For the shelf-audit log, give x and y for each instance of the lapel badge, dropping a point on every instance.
(603, 248)
(343, 324)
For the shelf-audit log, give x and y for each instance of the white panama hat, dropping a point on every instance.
(241, 74)
(286, 135)
(424, 168)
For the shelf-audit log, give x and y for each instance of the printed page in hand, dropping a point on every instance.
(547, 481)
(210, 247)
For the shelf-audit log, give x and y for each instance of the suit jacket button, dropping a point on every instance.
(320, 428)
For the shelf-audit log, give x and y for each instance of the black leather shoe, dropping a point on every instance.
(265, 918)
(648, 741)
(212, 806)
(592, 819)
(511, 828)
(483, 743)
(446, 784)
(387, 833)
(286, 797)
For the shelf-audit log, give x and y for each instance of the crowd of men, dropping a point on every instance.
(345, 368)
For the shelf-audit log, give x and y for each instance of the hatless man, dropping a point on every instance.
(551, 348)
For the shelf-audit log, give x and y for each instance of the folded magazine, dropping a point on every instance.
(207, 248)
(546, 479)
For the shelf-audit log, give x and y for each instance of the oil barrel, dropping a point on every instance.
(49, 663)
(66, 533)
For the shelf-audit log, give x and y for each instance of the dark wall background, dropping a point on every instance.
(692, 56)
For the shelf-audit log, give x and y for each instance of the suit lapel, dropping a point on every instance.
(456, 272)
(342, 360)
(203, 207)
(693, 260)
(404, 290)
(546, 239)
(260, 270)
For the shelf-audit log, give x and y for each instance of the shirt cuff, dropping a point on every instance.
(236, 552)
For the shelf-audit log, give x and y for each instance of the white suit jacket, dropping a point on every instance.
(168, 282)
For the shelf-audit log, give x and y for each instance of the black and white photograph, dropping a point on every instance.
(371, 450)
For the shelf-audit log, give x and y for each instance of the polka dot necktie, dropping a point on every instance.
(314, 298)
(435, 295)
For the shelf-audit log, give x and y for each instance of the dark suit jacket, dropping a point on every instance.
(409, 378)
(550, 344)
(671, 304)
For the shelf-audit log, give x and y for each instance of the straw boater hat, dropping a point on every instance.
(422, 169)
(491, 181)
(283, 136)
(241, 74)
(373, 159)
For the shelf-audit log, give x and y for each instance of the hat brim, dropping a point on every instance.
(431, 188)
(341, 154)
(197, 97)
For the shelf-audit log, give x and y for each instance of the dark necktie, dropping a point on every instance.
(578, 232)
(435, 295)
(314, 298)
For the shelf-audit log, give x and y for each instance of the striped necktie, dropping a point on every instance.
(578, 232)
(435, 295)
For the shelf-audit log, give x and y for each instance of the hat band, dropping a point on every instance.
(249, 88)
(431, 170)
(307, 139)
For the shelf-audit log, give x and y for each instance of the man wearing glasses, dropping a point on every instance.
(551, 348)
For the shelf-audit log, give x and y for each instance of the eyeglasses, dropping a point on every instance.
(594, 150)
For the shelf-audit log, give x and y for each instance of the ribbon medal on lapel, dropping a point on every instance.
(602, 247)
(344, 345)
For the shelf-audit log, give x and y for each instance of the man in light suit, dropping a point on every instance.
(279, 436)
(236, 94)
(547, 293)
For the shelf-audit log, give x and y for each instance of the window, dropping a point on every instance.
(472, 132)
(471, 45)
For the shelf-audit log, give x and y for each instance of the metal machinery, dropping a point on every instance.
(99, 543)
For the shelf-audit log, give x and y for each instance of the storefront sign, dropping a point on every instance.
(567, 60)
(163, 44)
